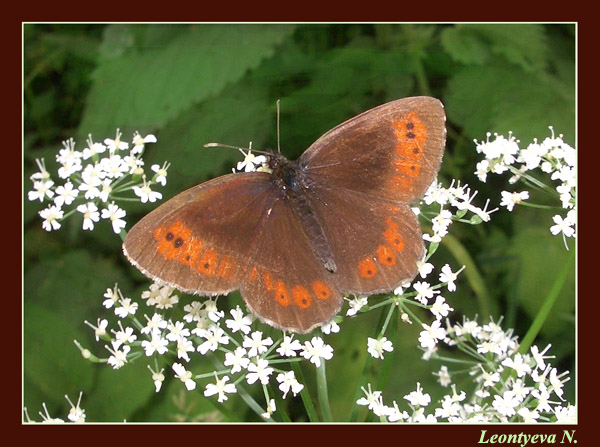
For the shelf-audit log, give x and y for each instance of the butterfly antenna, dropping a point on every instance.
(278, 148)
(249, 148)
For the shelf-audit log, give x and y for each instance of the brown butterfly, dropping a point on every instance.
(336, 221)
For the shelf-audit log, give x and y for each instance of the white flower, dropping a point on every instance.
(158, 378)
(115, 214)
(259, 371)
(506, 404)
(444, 376)
(356, 304)
(288, 347)
(76, 413)
(510, 199)
(418, 398)
(51, 216)
(562, 225)
(114, 166)
(146, 194)
(139, 142)
(214, 337)
(65, 194)
(539, 356)
(251, 162)
(315, 350)
(256, 344)
(91, 178)
(183, 347)
(376, 347)
(519, 364)
(42, 189)
(177, 331)
(185, 376)
(161, 173)
(447, 276)
(430, 336)
(220, 387)
(372, 399)
(440, 308)
(330, 328)
(287, 381)
(237, 360)
(239, 322)
(90, 214)
(424, 291)
(156, 344)
(118, 358)
(155, 323)
(92, 148)
(127, 307)
(124, 336)
(425, 268)
(116, 144)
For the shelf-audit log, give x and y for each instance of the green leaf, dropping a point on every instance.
(500, 99)
(52, 363)
(120, 393)
(146, 86)
(524, 45)
(464, 47)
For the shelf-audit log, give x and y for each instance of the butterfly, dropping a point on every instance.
(299, 237)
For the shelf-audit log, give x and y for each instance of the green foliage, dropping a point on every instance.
(194, 84)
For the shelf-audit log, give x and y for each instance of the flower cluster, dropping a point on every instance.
(510, 386)
(245, 354)
(76, 413)
(552, 156)
(92, 180)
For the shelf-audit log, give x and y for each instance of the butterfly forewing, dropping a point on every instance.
(393, 151)
(202, 240)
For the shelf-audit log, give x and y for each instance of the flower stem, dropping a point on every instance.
(308, 405)
(547, 305)
(472, 274)
(322, 392)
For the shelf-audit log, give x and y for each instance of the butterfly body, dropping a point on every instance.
(295, 240)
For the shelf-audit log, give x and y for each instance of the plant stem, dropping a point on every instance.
(547, 305)
(322, 392)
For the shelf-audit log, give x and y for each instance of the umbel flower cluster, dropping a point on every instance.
(169, 335)
(92, 181)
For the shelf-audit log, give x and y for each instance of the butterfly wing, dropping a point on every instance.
(393, 151)
(201, 240)
(362, 175)
(236, 232)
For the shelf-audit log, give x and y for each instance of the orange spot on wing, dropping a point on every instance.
(411, 134)
(367, 268)
(322, 292)
(281, 294)
(190, 254)
(253, 274)
(400, 183)
(386, 256)
(208, 262)
(301, 297)
(390, 223)
(268, 281)
(226, 266)
(394, 239)
(407, 167)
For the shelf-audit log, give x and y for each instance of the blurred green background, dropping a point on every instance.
(197, 83)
